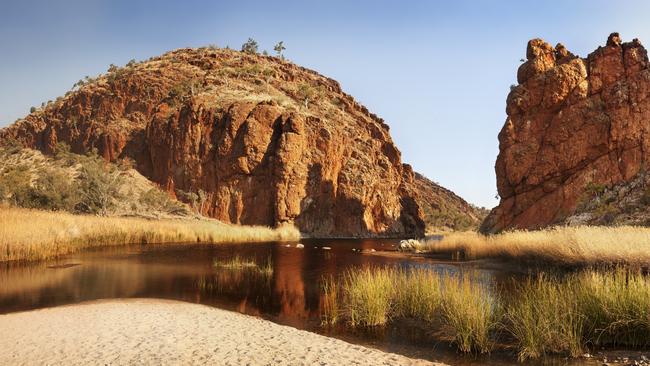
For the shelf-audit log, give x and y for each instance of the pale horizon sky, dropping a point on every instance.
(437, 72)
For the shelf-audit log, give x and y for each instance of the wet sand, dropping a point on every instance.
(144, 331)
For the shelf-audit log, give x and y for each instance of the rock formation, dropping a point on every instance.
(573, 124)
(248, 139)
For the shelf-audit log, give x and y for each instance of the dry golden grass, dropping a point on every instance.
(32, 234)
(564, 245)
(374, 296)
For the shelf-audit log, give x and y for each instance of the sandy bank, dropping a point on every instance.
(142, 331)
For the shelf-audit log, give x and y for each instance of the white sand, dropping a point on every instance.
(122, 332)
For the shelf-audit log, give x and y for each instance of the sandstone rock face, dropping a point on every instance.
(573, 123)
(254, 139)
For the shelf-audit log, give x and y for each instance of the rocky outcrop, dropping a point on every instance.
(248, 139)
(573, 124)
(626, 203)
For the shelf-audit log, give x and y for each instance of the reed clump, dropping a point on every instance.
(368, 293)
(27, 234)
(417, 294)
(471, 312)
(580, 245)
(544, 318)
(374, 296)
(565, 314)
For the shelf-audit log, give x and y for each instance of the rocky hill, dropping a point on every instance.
(443, 209)
(248, 139)
(576, 127)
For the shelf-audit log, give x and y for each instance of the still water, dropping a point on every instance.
(289, 295)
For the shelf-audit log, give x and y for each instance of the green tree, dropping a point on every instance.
(250, 46)
(99, 185)
(52, 190)
(307, 93)
(278, 48)
(15, 184)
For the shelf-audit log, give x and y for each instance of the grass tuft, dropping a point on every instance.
(553, 314)
(367, 295)
(238, 263)
(235, 263)
(544, 314)
(545, 318)
(329, 301)
(470, 311)
(417, 294)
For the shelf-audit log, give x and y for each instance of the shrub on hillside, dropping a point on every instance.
(74, 183)
(157, 199)
(53, 190)
(250, 46)
(14, 184)
(99, 184)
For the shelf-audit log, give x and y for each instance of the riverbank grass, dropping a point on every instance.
(581, 245)
(329, 301)
(375, 296)
(33, 235)
(588, 308)
(546, 313)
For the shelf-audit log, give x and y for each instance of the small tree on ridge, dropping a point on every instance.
(278, 48)
(250, 46)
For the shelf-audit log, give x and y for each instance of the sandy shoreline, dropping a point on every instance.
(144, 331)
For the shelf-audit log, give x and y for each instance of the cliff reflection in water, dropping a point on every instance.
(281, 292)
(289, 293)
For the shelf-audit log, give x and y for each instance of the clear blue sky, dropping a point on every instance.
(437, 71)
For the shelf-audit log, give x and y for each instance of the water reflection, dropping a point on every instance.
(289, 294)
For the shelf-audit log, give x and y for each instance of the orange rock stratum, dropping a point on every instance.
(256, 139)
(573, 124)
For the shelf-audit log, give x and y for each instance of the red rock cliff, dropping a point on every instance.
(257, 140)
(572, 122)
